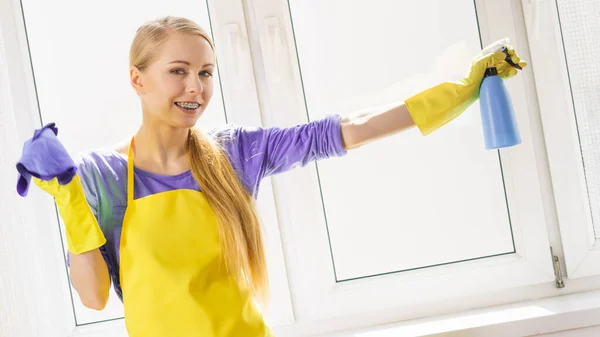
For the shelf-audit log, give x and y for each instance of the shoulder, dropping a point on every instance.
(234, 132)
(244, 147)
(234, 138)
(101, 165)
(103, 174)
(100, 159)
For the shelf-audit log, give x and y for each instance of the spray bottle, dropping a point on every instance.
(497, 116)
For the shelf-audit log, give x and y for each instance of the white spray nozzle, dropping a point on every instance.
(495, 47)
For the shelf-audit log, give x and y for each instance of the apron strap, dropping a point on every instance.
(130, 173)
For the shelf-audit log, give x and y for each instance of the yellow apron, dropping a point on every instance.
(173, 278)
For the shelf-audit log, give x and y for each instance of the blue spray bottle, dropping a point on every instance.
(497, 116)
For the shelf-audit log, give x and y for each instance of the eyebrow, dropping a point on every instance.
(187, 63)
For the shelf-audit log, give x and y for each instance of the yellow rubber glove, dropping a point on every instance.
(81, 227)
(434, 107)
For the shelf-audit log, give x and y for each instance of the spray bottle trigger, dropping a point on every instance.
(509, 59)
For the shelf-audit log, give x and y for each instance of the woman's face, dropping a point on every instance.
(178, 85)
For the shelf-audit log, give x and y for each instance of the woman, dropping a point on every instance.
(169, 216)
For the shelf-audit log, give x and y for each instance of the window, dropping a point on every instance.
(568, 83)
(429, 199)
(382, 227)
(581, 38)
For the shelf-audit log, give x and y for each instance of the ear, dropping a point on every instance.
(135, 77)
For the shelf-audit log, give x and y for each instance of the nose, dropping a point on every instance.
(194, 85)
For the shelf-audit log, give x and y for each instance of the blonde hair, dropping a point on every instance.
(239, 226)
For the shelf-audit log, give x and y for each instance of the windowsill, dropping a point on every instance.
(522, 319)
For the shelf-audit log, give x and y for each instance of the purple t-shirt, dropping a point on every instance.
(255, 153)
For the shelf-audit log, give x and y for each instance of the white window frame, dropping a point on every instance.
(581, 248)
(316, 296)
(241, 100)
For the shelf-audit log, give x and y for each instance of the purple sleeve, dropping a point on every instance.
(257, 152)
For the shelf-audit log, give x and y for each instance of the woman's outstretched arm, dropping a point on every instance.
(371, 124)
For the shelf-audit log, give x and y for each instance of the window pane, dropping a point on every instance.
(581, 38)
(426, 201)
(80, 52)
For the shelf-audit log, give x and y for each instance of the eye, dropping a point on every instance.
(178, 71)
(205, 73)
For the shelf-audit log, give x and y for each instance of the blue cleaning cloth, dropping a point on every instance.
(44, 157)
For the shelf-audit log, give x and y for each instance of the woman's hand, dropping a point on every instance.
(434, 107)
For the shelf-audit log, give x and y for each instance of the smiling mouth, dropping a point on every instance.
(190, 106)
